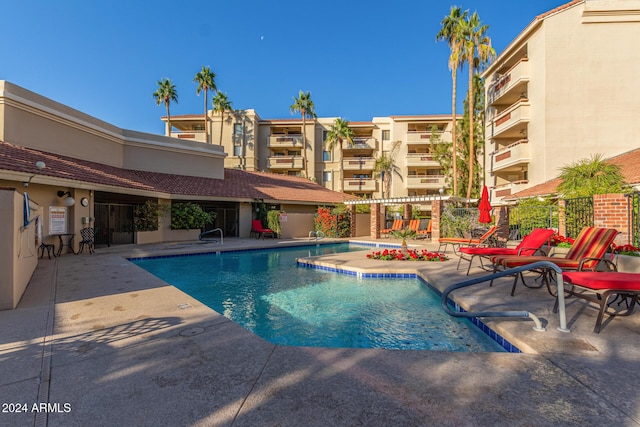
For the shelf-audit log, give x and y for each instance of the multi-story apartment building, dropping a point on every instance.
(565, 88)
(276, 146)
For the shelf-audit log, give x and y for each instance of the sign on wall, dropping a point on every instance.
(57, 220)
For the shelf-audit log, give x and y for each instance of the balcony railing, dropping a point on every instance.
(359, 184)
(358, 163)
(286, 162)
(360, 143)
(513, 121)
(426, 181)
(285, 141)
(512, 155)
(421, 137)
(421, 159)
(191, 135)
(515, 79)
(503, 190)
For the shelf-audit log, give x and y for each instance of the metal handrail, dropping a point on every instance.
(319, 235)
(205, 233)
(519, 314)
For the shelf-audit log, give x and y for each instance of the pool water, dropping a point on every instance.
(267, 293)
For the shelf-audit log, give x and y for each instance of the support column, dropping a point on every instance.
(612, 211)
(352, 216)
(407, 214)
(376, 220)
(562, 217)
(436, 214)
(502, 221)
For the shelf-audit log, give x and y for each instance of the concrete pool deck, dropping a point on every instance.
(103, 342)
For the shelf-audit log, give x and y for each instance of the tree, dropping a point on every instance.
(477, 51)
(220, 105)
(304, 105)
(587, 177)
(451, 31)
(478, 140)
(166, 93)
(206, 80)
(385, 167)
(339, 132)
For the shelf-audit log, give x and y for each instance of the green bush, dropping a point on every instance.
(188, 216)
(273, 221)
(146, 216)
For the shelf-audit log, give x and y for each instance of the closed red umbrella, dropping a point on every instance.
(484, 207)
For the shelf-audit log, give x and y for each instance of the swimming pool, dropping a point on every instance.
(268, 294)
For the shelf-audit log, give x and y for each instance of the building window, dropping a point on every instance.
(237, 128)
(326, 156)
(237, 150)
(386, 135)
(326, 176)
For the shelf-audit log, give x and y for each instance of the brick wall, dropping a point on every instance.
(376, 220)
(612, 211)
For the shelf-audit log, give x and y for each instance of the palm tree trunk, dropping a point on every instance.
(471, 150)
(206, 127)
(341, 171)
(304, 144)
(168, 117)
(454, 136)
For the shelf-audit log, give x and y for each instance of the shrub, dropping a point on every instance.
(273, 221)
(188, 216)
(146, 216)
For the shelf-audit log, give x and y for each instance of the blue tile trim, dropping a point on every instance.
(357, 273)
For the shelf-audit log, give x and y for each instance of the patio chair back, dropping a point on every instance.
(532, 242)
(592, 242)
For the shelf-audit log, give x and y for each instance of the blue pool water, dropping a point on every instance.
(268, 294)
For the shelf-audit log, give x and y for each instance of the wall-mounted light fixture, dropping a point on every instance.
(68, 199)
(40, 165)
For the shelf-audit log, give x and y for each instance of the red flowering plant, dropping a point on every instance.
(626, 250)
(561, 241)
(408, 255)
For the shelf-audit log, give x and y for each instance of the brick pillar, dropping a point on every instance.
(376, 220)
(502, 221)
(352, 212)
(436, 211)
(612, 211)
(562, 218)
(407, 214)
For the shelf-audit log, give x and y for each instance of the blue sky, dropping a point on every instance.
(358, 59)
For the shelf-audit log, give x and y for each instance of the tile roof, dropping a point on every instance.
(629, 163)
(237, 184)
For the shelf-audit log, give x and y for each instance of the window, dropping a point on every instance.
(326, 176)
(237, 128)
(386, 135)
(326, 156)
(237, 150)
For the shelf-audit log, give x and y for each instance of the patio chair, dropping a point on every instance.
(87, 236)
(457, 242)
(597, 287)
(425, 232)
(397, 225)
(259, 230)
(586, 253)
(530, 245)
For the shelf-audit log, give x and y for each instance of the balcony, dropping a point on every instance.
(422, 137)
(512, 123)
(352, 185)
(421, 159)
(433, 182)
(511, 85)
(358, 163)
(286, 162)
(285, 141)
(504, 190)
(512, 156)
(361, 143)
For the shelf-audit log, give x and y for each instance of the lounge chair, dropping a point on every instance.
(597, 287)
(585, 253)
(425, 232)
(530, 245)
(259, 230)
(397, 225)
(457, 242)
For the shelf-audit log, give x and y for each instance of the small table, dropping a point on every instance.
(69, 242)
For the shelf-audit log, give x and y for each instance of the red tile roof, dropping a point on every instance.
(629, 163)
(236, 184)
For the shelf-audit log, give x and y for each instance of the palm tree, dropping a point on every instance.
(339, 132)
(304, 105)
(587, 177)
(385, 167)
(451, 31)
(477, 52)
(206, 80)
(165, 94)
(220, 105)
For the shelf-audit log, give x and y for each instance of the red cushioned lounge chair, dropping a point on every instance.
(530, 245)
(597, 287)
(259, 230)
(586, 253)
(457, 242)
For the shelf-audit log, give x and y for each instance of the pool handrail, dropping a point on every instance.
(202, 236)
(319, 235)
(521, 314)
